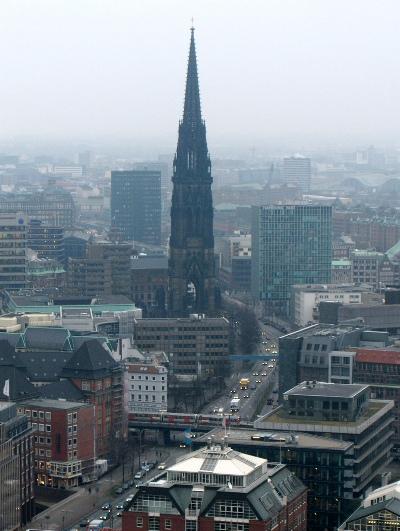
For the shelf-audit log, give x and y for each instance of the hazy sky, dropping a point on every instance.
(270, 70)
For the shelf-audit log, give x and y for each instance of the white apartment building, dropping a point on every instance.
(297, 171)
(146, 387)
(305, 299)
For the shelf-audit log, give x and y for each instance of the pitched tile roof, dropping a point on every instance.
(90, 361)
(382, 356)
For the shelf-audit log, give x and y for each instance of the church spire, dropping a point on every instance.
(192, 109)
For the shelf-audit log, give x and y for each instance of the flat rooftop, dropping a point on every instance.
(279, 416)
(328, 390)
(248, 437)
(345, 288)
(54, 404)
(323, 330)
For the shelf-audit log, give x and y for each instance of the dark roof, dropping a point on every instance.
(53, 338)
(392, 505)
(8, 356)
(91, 360)
(326, 389)
(20, 387)
(14, 338)
(63, 389)
(44, 366)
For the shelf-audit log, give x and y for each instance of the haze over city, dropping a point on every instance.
(273, 73)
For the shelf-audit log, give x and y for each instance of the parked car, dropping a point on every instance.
(106, 506)
(162, 466)
(125, 486)
(119, 490)
(139, 474)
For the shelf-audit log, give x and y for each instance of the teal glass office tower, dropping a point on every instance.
(291, 244)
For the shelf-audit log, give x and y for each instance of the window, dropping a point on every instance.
(167, 524)
(48, 427)
(48, 415)
(139, 519)
(85, 385)
(41, 414)
(154, 523)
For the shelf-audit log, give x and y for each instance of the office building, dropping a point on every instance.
(297, 172)
(149, 284)
(366, 267)
(344, 412)
(379, 511)
(17, 500)
(53, 206)
(219, 488)
(65, 441)
(323, 464)
(46, 241)
(191, 245)
(136, 205)
(305, 354)
(380, 369)
(13, 244)
(197, 346)
(291, 244)
(341, 272)
(305, 299)
(104, 271)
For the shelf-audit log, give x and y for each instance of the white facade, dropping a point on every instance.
(340, 368)
(306, 301)
(146, 387)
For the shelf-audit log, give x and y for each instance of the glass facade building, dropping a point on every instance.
(136, 205)
(291, 244)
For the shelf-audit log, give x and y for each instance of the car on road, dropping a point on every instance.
(106, 506)
(162, 466)
(263, 374)
(255, 373)
(84, 523)
(129, 498)
(139, 474)
(139, 484)
(119, 514)
(125, 486)
(246, 396)
(258, 381)
(233, 391)
(119, 490)
(105, 516)
(264, 363)
(182, 445)
(119, 506)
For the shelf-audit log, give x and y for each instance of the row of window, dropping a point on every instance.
(139, 377)
(147, 387)
(139, 398)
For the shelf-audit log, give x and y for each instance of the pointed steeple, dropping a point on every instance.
(192, 108)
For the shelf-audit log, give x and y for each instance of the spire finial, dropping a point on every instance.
(192, 26)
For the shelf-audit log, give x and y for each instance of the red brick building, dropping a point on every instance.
(219, 489)
(380, 368)
(99, 377)
(64, 440)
